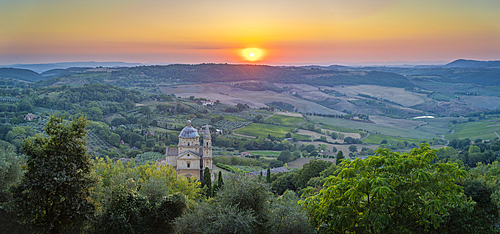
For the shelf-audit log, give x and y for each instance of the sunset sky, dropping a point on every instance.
(284, 31)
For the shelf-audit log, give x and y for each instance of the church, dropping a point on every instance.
(189, 159)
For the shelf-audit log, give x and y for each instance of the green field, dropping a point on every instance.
(434, 127)
(339, 129)
(285, 120)
(377, 138)
(265, 153)
(262, 130)
(476, 130)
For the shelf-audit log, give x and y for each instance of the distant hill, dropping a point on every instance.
(48, 66)
(207, 73)
(463, 63)
(20, 74)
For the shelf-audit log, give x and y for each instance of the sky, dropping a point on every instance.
(277, 31)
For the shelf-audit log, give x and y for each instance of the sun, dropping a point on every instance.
(252, 54)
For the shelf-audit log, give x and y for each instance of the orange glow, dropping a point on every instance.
(252, 54)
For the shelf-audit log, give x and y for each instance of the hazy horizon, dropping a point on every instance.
(280, 32)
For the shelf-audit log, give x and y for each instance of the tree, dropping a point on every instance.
(268, 175)
(339, 157)
(353, 148)
(285, 156)
(387, 193)
(207, 181)
(53, 195)
(11, 170)
(220, 181)
(241, 206)
(287, 217)
(308, 171)
(334, 149)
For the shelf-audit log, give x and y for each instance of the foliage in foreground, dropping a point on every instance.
(245, 205)
(387, 193)
(53, 195)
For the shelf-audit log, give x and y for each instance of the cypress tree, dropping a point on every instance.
(268, 176)
(207, 181)
(339, 157)
(220, 182)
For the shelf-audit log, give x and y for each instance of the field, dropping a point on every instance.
(285, 120)
(397, 127)
(224, 172)
(486, 102)
(265, 153)
(262, 130)
(234, 118)
(397, 95)
(377, 138)
(339, 129)
(111, 117)
(476, 130)
(230, 95)
(300, 162)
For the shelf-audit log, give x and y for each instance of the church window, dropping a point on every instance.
(188, 164)
(188, 143)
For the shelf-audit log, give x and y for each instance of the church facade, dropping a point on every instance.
(189, 159)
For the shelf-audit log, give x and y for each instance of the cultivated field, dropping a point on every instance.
(377, 138)
(262, 130)
(397, 95)
(232, 96)
(486, 102)
(476, 130)
(285, 120)
(300, 162)
(394, 129)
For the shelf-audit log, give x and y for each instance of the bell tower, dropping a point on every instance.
(207, 150)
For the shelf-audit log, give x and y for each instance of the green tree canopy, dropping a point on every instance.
(387, 193)
(53, 195)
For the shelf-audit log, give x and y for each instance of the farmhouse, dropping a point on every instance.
(189, 159)
(207, 103)
(29, 117)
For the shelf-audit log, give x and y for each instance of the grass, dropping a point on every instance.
(442, 96)
(377, 138)
(224, 172)
(475, 130)
(285, 120)
(339, 129)
(235, 118)
(262, 130)
(265, 153)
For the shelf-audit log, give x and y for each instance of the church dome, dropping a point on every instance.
(188, 131)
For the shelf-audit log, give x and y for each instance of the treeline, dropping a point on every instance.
(282, 106)
(471, 154)
(243, 144)
(346, 116)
